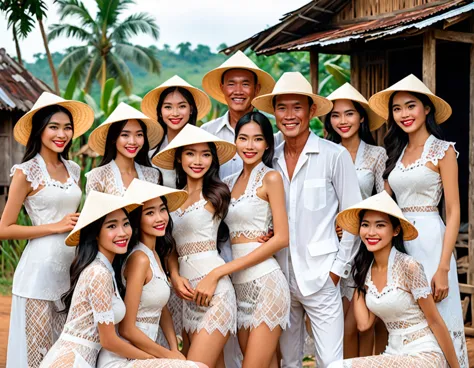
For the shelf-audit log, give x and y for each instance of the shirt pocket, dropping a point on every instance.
(314, 194)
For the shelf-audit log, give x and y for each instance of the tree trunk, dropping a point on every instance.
(103, 73)
(17, 45)
(50, 58)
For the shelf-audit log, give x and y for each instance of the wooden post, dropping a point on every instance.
(470, 272)
(314, 70)
(429, 60)
(355, 72)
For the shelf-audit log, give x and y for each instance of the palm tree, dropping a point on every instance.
(107, 48)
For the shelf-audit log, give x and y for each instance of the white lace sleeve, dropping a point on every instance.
(416, 280)
(94, 181)
(230, 180)
(32, 171)
(152, 175)
(379, 170)
(101, 292)
(75, 171)
(437, 151)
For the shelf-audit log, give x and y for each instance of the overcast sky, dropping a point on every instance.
(209, 22)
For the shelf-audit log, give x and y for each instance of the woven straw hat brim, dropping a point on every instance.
(98, 205)
(150, 101)
(265, 102)
(142, 191)
(82, 116)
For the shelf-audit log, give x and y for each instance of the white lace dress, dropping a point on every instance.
(195, 233)
(107, 178)
(42, 275)
(262, 291)
(95, 300)
(411, 343)
(155, 295)
(418, 190)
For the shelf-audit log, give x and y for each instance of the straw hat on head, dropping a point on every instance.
(150, 101)
(379, 101)
(347, 92)
(193, 135)
(141, 191)
(349, 219)
(212, 80)
(123, 112)
(82, 116)
(292, 83)
(98, 205)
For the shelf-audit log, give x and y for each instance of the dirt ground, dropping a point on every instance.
(5, 305)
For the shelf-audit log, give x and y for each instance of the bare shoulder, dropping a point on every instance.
(272, 177)
(137, 261)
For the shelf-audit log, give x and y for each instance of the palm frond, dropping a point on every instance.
(75, 8)
(118, 69)
(92, 71)
(110, 10)
(74, 57)
(134, 25)
(57, 30)
(139, 55)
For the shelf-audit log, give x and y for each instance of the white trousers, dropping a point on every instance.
(324, 309)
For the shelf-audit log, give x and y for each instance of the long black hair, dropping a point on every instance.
(213, 189)
(396, 139)
(188, 96)
(364, 129)
(364, 258)
(267, 130)
(86, 252)
(39, 123)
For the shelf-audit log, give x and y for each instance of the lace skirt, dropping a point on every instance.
(264, 300)
(422, 360)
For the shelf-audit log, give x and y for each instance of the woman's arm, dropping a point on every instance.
(166, 324)
(387, 188)
(364, 317)
(439, 329)
(448, 169)
(181, 285)
(20, 188)
(274, 191)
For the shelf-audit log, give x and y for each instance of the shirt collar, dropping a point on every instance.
(311, 146)
(224, 122)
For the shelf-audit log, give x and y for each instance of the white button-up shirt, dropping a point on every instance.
(324, 182)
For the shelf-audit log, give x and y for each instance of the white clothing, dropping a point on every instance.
(411, 342)
(419, 200)
(107, 178)
(95, 300)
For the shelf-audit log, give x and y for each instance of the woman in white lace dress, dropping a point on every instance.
(350, 123)
(47, 184)
(420, 169)
(258, 199)
(123, 140)
(196, 156)
(392, 286)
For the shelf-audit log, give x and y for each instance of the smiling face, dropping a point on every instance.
(409, 112)
(115, 233)
(345, 119)
(239, 89)
(292, 114)
(175, 111)
(196, 159)
(57, 133)
(376, 231)
(155, 218)
(131, 139)
(251, 144)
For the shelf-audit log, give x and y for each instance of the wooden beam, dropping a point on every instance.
(466, 288)
(469, 331)
(453, 36)
(314, 69)
(429, 60)
(355, 71)
(308, 19)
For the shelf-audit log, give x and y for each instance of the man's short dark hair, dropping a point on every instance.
(310, 102)
(250, 71)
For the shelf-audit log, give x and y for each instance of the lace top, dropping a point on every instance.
(249, 215)
(107, 178)
(417, 187)
(370, 165)
(195, 230)
(397, 303)
(155, 293)
(43, 270)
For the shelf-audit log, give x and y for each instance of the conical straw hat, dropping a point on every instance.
(349, 219)
(150, 101)
(379, 101)
(292, 83)
(98, 205)
(123, 112)
(212, 80)
(193, 135)
(82, 116)
(141, 191)
(347, 92)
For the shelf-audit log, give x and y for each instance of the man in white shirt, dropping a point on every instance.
(320, 180)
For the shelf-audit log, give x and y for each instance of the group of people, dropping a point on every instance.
(236, 238)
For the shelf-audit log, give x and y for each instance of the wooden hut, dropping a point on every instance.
(19, 90)
(387, 40)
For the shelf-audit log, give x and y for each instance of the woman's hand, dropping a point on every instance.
(265, 238)
(182, 287)
(440, 285)
(66, 224)
(175, 354)
(205, 289)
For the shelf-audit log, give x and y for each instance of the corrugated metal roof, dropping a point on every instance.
(19, 89)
